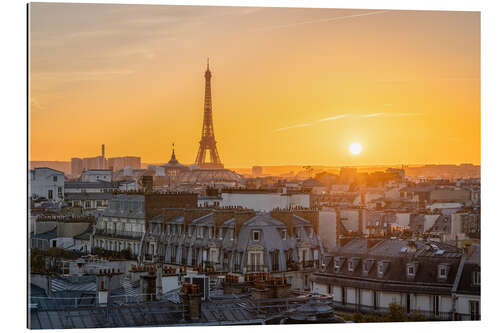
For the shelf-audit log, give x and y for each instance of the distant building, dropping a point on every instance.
(97, 175)
(348, 175)
(399, 174)
(265, 200)
(47, 183)
(119, 163)
(76, 166)
(257, 171)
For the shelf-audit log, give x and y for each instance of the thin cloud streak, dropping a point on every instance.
(332, 118)
(343, 116)
(320, 21)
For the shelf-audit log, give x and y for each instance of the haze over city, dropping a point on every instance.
(289, 86)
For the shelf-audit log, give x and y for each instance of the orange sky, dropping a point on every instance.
(289, 86)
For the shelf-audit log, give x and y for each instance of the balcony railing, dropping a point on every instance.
(350, 307)
(255, 268)
(119, 234)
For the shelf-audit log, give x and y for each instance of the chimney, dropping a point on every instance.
(191, 298)
(240, 217)
(147, 183)
(221, 216)
(193, 214)
(310, 215)
(285, 216)
(170, 213)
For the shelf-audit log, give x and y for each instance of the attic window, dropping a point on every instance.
(443, 271)
(411, 270)
(256, 235)
(283, 234)
(381, 266)
(476, 278)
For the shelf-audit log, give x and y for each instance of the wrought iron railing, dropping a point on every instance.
(350, 307)
(255, 268)
(119, 234)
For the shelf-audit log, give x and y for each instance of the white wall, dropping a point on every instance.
(96, 175)
(264, 201)
(42, 181)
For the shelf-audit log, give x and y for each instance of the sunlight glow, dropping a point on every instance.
(355, 148)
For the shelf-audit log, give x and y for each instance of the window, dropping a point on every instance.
(350, 266)
(256, 236)
(54, 178)
(474, 310)
(220, 233)
(442, 271)
(283, 234)
(476, 278)
(50, 194)
(380, 268)
(59, 192)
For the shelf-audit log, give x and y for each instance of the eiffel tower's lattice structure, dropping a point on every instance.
(207, 142)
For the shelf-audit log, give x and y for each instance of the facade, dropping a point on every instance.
(257, 171)
(119, 163)
(90, 187)
(467, 287)
(76, 166)
(47, 183)
(282, 242)
(97, 175)
(123, 223)
(368, 274)
(265, 200)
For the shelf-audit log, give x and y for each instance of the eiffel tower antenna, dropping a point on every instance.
(207, 142)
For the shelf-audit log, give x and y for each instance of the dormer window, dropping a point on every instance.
(256, 235)
(443, 270)
(382, 268)
(283, 234)
(411, 270)
(476, 278)
(352, 264)
(338, 262)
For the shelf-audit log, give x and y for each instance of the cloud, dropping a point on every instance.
(320, 20)
(343, 116)
(340, 116)
(371, 115)
(293, 126)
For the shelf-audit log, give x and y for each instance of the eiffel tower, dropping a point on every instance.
(207, 142)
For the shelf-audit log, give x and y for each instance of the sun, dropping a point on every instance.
(355, 148)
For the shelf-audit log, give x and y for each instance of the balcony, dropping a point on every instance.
(119, 234)
(430, 315)
(255, 268)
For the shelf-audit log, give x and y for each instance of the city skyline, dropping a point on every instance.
(415, 100)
